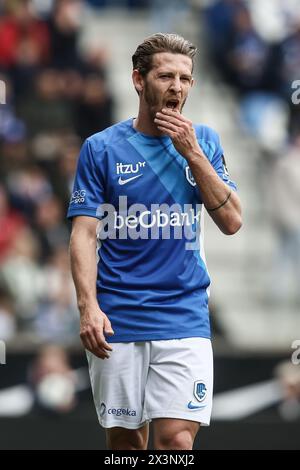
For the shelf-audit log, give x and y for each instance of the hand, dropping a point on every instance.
(93, 325)
(179, 129)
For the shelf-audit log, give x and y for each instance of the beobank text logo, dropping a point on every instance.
(160, 221)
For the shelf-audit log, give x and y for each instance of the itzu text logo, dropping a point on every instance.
(116, 411)
(127, 169)
(78, 197)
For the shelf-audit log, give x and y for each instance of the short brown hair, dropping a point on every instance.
(160, 42)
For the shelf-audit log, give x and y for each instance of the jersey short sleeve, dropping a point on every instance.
(89, 188)
(219, 163)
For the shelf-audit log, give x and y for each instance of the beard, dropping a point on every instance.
(153, 102)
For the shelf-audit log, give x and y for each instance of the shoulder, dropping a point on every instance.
(209, 140)
(206, 133)
(109, 136)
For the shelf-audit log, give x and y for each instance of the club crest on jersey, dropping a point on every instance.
(200, 390)
(189, 176)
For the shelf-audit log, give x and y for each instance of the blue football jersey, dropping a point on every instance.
(152, 278)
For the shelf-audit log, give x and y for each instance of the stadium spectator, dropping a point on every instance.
(285, 208)
(64, 27)
(46, 110)
(57, 318)
(24, 43)
(11, 222)
(8, 324)
(50, 226)
(52, 380)
(23, 276)
(94, 112)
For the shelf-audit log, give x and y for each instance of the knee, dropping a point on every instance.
(130, 440)
(182, 440)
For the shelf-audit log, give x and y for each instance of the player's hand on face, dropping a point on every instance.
(179, 129)
(94, 325)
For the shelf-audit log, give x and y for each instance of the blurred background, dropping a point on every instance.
(65, 67)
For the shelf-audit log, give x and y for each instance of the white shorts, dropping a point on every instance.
(142, 381)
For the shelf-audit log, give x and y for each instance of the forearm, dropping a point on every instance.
(94, 323)
(84, 269)
(214, 192)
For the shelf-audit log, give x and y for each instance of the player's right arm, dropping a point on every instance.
(93, 322)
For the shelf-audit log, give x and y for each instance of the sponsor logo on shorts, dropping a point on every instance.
(102, 409)
(116, 411)
(191, 406)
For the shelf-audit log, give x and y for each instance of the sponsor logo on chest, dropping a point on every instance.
(129, 168)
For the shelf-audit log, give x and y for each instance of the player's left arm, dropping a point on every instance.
(221, 202)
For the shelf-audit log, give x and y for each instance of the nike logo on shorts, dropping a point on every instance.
(195, 407)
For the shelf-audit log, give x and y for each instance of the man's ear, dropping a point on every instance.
(138, 81)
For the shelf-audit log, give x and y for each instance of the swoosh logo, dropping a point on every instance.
(121, 181)
(195, 407)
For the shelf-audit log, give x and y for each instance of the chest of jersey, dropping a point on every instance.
(149, 174)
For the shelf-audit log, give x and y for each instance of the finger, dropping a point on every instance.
(169, 118)
(90, 343)
(175, 117)
(174, 113)
(100, 353)
(97, 345)
(86, 342)
(166, 124)
(167, 131)
(100, 341)
(108, 328)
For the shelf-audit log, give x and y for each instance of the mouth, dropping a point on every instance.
(172, 104)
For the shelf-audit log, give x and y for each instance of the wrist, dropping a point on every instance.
(86, 305)
(221, 204)
(195, 156)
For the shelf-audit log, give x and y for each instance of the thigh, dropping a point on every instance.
(118, 385)
(180, 380)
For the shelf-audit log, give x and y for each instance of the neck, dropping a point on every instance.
(145, 123)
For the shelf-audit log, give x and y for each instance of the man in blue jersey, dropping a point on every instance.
(137, 256)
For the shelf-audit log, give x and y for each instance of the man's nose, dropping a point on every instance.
(176, 85)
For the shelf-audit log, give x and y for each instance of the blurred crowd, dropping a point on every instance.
(56, 96)
(262, 68)
(255, 49)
